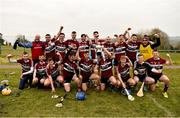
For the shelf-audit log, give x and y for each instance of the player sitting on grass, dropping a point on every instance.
(39, 74)
(27, 69)
(141, 69)
(157, 62)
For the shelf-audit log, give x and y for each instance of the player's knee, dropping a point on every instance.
(35, 81)
(102, 85)
(67, 87)
(46, 83)
(136, 79)
(131, 82)
(60, 79)
(42, 81)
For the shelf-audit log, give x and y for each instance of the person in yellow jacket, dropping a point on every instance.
(146, 47)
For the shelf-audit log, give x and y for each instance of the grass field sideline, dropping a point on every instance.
(34, 102)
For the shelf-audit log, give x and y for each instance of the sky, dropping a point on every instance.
(30, 17)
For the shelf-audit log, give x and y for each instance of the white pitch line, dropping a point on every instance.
(160, 106)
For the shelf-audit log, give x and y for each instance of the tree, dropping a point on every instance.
(1, 39)
(21, 38)
(165, 45)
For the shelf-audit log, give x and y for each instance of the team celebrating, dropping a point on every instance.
(118, 64)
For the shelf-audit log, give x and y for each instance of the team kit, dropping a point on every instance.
(119, 64)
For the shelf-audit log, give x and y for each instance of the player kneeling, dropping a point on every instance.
(27, 69)
(157, 63)
(70, 71)
(52, 74)
(86, 69)
(141, 69)
(122, 69)
(39, 74)
(105, 65)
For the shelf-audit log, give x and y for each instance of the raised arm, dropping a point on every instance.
(26, 45)
(169, 61)
(157, 41)
(109, 54)
(127, 34)
(60, 31)
(9, 56)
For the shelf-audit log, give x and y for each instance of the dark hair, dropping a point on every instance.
(95, 32)
(121, 35)
(73, 32)
(25, 53)
(140, 55)
(69, 52)
(50, 59)
(62, 34)
(146, 36)
(47, 35)
(83, 35)
(155, 50)
(133, 35)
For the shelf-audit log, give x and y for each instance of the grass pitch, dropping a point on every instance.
(38, 102)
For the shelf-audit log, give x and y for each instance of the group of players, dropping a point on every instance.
(104, 61)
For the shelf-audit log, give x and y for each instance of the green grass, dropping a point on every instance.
(9, 50)
(38, 102)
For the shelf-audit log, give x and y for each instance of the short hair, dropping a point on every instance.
(25, 53)
(155, 50)
(95, 32)
(83, 35)
(73, 32)
(50, 59)
(121, 35)
(140, 54)
(146, 36)
(62, 34)
(47, 35)
(134, 35)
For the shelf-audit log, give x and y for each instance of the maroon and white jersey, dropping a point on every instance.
(109, 46)
(120, 49)
(124, 70)
(70, 68)
(93, 49)
(49, 50)
(61, 48)
(86, 65)
(156, 63)
(106, 68)
(41, 68)
(25, 64)
(83, 47)
(132, 49)
(72, 44)
(53, 72)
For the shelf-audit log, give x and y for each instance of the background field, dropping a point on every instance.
(38, 102)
